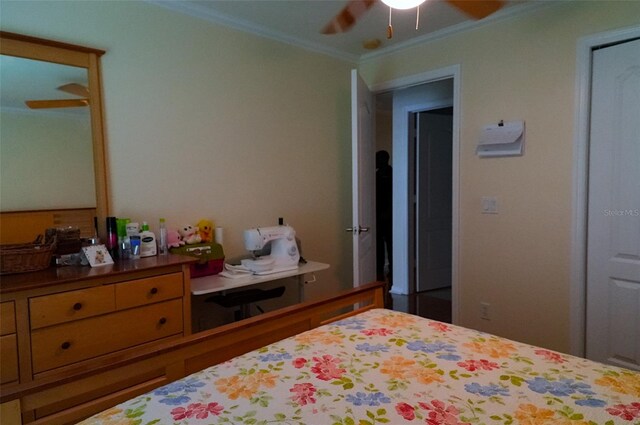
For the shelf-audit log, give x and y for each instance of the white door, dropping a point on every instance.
(433, 200)
(363, 181)
(613, 240)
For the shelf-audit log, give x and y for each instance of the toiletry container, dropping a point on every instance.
(148, 246)
(112, 237)
(162, 242)
(124, 243)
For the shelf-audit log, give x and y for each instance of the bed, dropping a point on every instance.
(382, 366)
(340, 361)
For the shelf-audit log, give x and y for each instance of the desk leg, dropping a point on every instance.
(302, 281)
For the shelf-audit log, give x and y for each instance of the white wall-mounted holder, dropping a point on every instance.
(502, 139)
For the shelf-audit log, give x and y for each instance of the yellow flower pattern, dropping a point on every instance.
(398, 367)
(245, 386)
(529, 414)
(492, 347)
(624, 383)
(318, 336)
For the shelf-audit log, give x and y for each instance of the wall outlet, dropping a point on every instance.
(489, 205)
(484, 311)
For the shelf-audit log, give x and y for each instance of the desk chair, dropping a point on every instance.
(244, 299)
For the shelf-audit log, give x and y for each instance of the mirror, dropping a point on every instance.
(53, 153)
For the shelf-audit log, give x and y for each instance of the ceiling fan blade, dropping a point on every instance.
(57, 103)
(477, 9)
(74, 88)
(348, 16)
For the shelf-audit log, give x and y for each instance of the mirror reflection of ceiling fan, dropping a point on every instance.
(72, 88)
(355, 9)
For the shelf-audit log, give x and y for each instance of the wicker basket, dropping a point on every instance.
(27, 257)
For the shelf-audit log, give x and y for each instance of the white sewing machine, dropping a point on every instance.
(284, 250)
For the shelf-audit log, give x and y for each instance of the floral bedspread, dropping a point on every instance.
(385, 367)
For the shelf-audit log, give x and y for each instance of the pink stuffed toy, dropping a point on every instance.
(174, 240)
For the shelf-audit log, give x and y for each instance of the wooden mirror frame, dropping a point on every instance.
(27, 47)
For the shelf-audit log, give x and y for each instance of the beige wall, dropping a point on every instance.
(523, 68)
(44, 156)
(203, 121)
(206, 122)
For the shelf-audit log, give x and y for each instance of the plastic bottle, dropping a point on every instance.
(162, 242)
(112, 237)
(148, 246)
(124, 243)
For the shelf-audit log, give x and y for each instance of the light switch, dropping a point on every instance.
(489, 205)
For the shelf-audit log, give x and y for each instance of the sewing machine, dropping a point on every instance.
(284, 250)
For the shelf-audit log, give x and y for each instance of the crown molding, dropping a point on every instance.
(501, 15)
(202, 12)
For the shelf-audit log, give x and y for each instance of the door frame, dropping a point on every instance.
(578, 283)
(400, 206)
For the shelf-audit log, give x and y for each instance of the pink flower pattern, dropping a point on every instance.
(299, 362)
(473, 365)
(441, 414)
(303, 393)
(551, 356)
(196, 410)
(327, 368)
(379, 331)
(442, 327)
(406, 410)
(627, 412)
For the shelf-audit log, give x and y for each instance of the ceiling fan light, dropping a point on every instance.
(403, 4)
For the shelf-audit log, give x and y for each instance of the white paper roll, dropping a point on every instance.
(218, 235)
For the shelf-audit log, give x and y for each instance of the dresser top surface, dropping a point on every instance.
(68, 274)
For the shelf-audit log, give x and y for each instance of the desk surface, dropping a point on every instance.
(216, 283)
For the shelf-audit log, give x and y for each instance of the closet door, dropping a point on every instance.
(613, 257)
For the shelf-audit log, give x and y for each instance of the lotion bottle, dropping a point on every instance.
(148, 246)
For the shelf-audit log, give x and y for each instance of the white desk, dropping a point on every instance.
(216, 283)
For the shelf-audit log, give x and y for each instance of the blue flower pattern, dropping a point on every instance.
(445, 351)
(487, 390)
(372, 348)
(352, 323)
(171, 392)
(591, 402)
(275, 357)
(560, 388)
(370, 399)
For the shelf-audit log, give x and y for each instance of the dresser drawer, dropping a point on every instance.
(7, 318)
(73, 305)
(146, 291)
(9, 359)
(72, 342)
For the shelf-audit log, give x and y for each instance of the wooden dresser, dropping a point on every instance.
(69, 319)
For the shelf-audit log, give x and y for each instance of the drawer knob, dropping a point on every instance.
(65, 345)
(77, 306)
(162, 320)
(153, 291)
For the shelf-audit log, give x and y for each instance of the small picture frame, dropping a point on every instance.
(97, 255)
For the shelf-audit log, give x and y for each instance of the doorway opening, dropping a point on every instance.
(416, 126)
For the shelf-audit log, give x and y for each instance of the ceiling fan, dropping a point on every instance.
(71, 88)
(355, 9)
